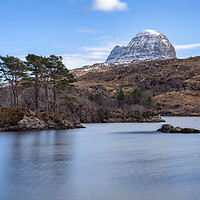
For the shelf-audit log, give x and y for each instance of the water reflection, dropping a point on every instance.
(101, 162)
(37, 161)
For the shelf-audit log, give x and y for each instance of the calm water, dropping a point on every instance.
(102, 162)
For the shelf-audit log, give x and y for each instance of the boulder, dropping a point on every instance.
(31, 123)
(168, 128)
(155, 118)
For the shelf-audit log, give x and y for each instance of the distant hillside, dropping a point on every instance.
(175, 83)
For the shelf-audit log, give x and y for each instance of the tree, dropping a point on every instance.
(137, 95)
(12, 70)
(35, 66)
(121, 96)
(96, 98)
(59, 77)
(50, 74)
(147, 98)
(45, 80)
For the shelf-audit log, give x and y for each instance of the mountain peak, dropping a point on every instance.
(147, 44)
(149, 31)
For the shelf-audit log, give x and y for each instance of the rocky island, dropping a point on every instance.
(23, 119)
(168, 128)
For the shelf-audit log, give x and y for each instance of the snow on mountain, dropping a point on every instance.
(147, 44)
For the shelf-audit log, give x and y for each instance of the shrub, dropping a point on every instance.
(96, 98)
(121, 96)
(137, 96)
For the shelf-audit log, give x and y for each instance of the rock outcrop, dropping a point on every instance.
(168, 128)
(23, 119)
(146, 45)
(150, 119)
(116, 54)
(31, 123)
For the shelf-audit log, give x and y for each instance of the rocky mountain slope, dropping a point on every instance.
(175, 83)
(147, 44)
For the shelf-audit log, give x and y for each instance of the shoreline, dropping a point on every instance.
(32, 123)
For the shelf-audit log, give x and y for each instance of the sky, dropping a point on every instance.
(85, 31)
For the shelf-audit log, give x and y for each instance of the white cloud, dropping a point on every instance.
(109, 5)
(89, 55)
(13, 50)
(98, 48)
(79, 60)
(187, 46)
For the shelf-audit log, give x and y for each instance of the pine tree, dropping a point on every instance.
(35, 67)
(121, 96)
(12, 70)
(59, 77)
(137, 96)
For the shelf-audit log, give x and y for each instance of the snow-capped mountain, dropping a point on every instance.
(147, 44)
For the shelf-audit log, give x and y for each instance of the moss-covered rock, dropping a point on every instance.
(168, 128)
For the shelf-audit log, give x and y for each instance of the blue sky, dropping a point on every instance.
(85, 31)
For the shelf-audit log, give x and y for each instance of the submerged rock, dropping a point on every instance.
(168, 128)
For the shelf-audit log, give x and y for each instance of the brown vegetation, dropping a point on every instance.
(175, 83)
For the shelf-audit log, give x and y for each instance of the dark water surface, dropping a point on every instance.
(102, 162)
